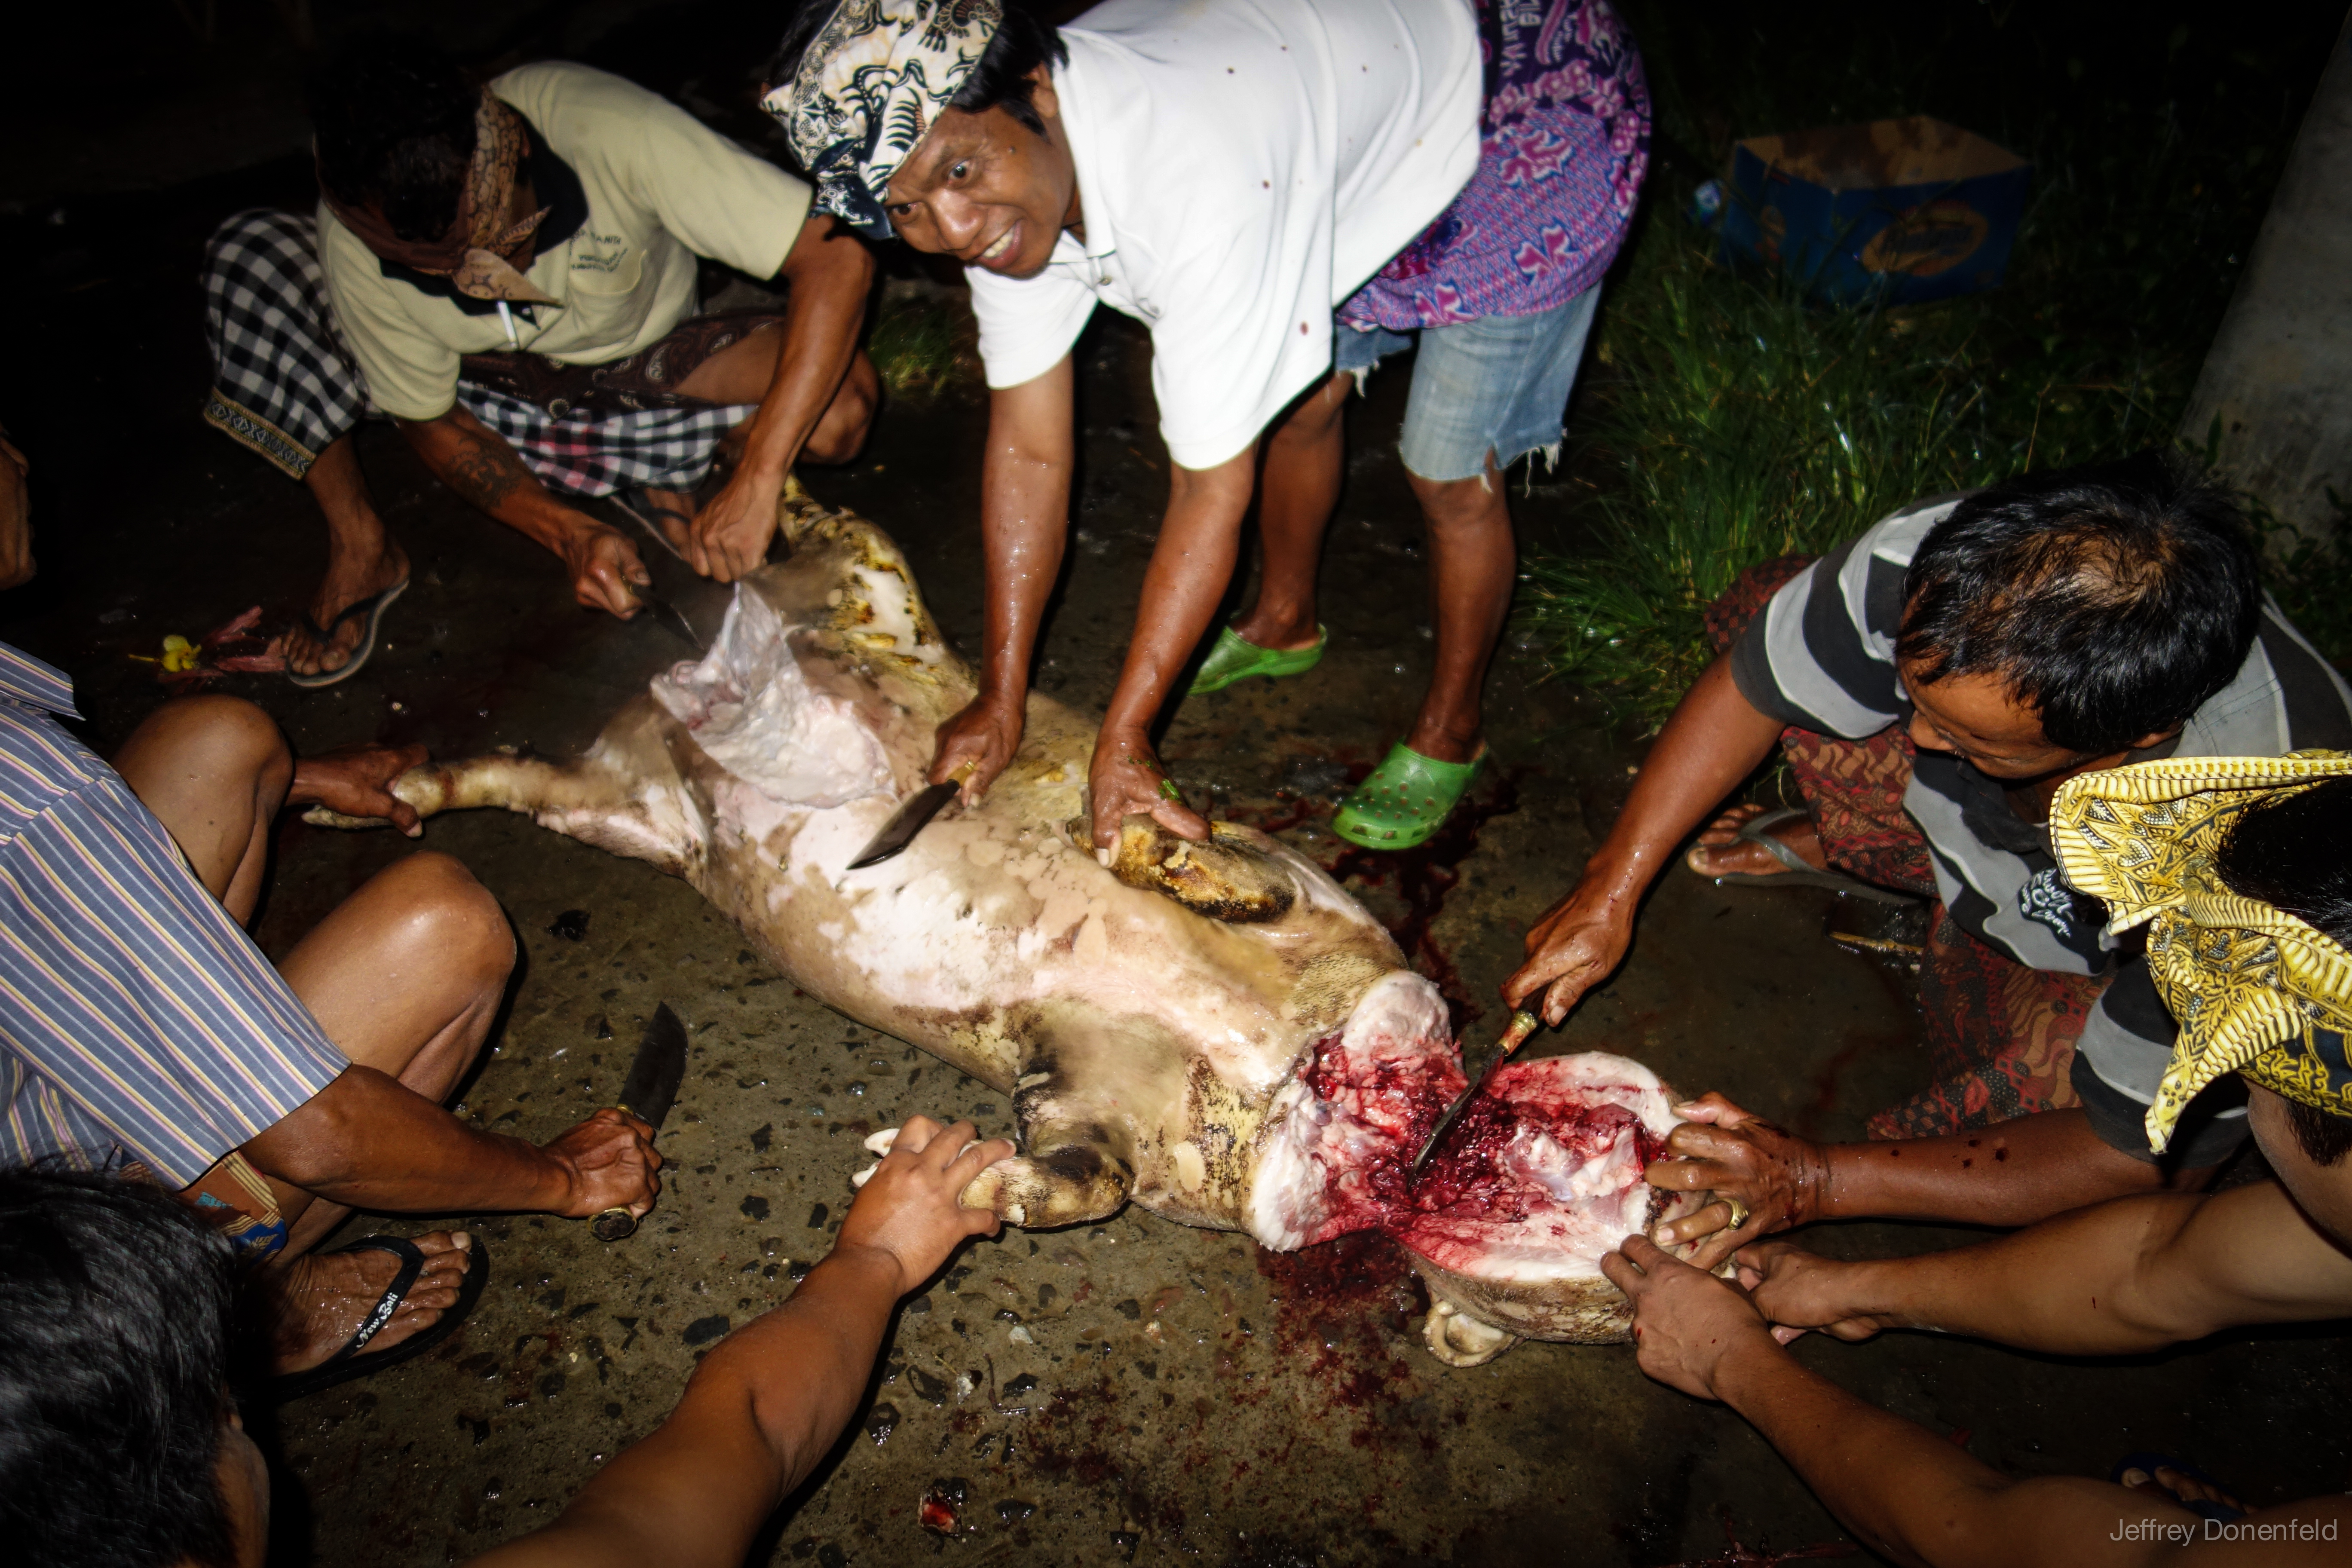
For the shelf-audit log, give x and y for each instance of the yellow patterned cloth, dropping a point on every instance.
(2255, 990)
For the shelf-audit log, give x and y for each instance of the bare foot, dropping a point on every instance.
(350, 578)
(1720, 852)
(319, 1301)
(2183, 1486)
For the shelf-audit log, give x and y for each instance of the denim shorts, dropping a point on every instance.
(1496, 385)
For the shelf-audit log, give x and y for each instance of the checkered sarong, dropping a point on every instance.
(286, 386)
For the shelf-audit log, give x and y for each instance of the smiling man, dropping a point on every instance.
(1932, 684)
(1280, 190)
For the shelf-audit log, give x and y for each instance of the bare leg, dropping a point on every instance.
(404, 976)
(741, 373)
(1303, 464)
(1471, 559)
(361, 560)
(213, 770)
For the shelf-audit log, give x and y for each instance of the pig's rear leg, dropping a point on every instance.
(584, 800)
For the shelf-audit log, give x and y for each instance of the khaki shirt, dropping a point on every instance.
(660, 189)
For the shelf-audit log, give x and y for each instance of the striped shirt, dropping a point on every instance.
(137, 1020)
(1822, 656)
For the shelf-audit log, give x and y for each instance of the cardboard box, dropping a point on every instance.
(1914, 208)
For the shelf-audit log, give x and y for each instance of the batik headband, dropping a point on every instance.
(2255, 990)
(871, 83)
(482, 255)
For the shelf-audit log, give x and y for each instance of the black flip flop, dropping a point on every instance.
(347, 1362)
(372, 608)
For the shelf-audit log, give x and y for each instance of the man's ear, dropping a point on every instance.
(1042, 96)
(2156, 738)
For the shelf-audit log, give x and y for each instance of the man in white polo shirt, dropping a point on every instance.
(1234, 172)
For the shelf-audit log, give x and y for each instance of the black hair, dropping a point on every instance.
(2116, 598)
(115, 1339)
(1023, 41)
(2295, 854)
(395, 124)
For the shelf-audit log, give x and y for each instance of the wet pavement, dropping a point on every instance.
(1131, 1391)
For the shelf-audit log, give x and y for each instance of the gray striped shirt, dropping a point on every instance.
(1822, 656)
(137, 1020)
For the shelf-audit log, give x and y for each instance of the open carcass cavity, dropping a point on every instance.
(1509, 1222)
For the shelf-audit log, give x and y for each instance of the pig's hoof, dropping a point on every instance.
(1228, 877)
(1458, 1339)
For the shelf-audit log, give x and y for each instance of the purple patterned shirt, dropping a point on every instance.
(1565, 145)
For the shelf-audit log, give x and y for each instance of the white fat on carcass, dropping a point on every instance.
(751, 707)
(1311, 1149)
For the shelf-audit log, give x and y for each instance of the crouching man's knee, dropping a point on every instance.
(444, 912)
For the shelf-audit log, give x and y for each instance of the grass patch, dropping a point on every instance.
(922, 343)
(1736, 423)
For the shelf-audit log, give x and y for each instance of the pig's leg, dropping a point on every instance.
(1070, 1176)
(587, 800)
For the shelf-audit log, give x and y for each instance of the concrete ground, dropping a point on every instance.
(1134, 1391)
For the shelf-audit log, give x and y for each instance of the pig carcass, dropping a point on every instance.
(1214, 1030)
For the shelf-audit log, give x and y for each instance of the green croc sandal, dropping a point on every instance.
(1404, 800)
(1236, 658)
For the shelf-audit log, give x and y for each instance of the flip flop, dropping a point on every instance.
(1404, 800)
(372, 608)
(1234, 657)
(638, 506)
(347, 1362)
(1756, 830)
(2220, 1512)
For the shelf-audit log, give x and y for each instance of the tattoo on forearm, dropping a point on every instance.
(485, 471)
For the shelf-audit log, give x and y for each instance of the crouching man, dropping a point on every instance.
(139, 1026)
(120, 1439)
(2238, 867)
(509, 272)
(1932, 684)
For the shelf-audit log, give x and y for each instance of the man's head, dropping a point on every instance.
(115, 1429)
(395, 131)
(935, 120)
(2074, 614)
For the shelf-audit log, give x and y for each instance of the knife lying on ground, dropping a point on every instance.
(1522, 1025)
(913, 814)
(647, 1093)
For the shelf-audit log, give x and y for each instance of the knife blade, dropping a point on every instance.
(670, 615)
(647, 1093)
(913, 814)
(1522, 1024)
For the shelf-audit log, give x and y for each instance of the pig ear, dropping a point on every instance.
(1070, 1184)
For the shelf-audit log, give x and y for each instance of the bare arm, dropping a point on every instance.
(829, 273)
(1191, 566)
(1024, 518)
(476, 463)
(2011, 1173)
(1909, 1496)
(764, 1407)
(1714, 740)
(368, 1140)
(2136, 1274)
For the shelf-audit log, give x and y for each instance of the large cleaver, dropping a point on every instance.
(647, 1093)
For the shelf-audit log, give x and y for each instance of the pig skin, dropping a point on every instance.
(1148, 1018)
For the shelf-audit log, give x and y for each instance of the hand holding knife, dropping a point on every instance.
(647, 1093)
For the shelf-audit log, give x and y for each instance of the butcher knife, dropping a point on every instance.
(1522, 1025)
(669, 615)
(913, 814)
(647, 1094)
